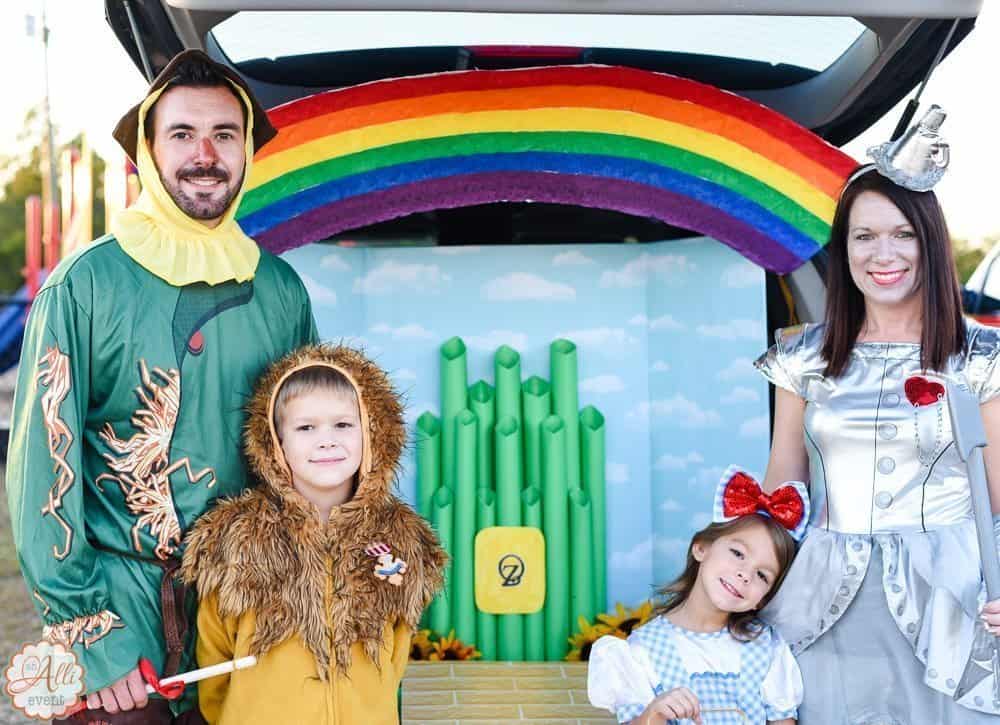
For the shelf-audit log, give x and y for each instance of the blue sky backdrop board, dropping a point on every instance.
(665, 336)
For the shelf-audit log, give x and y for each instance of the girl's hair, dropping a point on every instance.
(744, 626)
(943, 332)
(308, 380)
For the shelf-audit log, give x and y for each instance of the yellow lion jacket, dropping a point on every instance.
(331, 636)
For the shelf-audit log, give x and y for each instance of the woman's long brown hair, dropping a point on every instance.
(744, 626)
(943, 327)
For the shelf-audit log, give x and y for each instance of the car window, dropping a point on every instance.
(808, 42)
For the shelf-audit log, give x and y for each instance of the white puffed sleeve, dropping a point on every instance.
(782, 688)
(619, 678)
(783, 363)
(982, 368)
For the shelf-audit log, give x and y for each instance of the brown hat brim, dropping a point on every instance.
(126, 132)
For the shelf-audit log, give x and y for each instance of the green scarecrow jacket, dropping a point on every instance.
(127, 423)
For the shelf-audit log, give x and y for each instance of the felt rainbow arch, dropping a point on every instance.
(642, 143)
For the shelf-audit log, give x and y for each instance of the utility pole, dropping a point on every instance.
(50, 176)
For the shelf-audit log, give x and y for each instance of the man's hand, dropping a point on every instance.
(129, 693)
(677, 704)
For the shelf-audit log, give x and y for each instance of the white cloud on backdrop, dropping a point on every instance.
(734, 330)
(495, 338)
(616, 473)
(677, 410)
(602, 384)
(392, 277)
(334, 263)
(739, 394)
(668, 462)
(573, 258)
(707, 477)
(321, 295)
(522, 286)
(669, 505)
(405, 332)
(755, 427)
(610, 339)
(666, 322)
(635, 272)
(742, 274)
(456, 250)
(739, 369)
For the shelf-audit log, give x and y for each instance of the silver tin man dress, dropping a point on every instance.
(880, 603)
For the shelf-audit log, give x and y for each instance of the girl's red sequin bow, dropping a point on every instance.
(743, 496)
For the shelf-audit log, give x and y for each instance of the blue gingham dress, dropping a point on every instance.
(726, 698)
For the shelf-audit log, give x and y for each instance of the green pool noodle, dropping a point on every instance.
(454, 399)
(537, 405)
(592, 470)
(486, 623)
(463, 607)
(534, 624)
(565, 403)
(507, 377)
(442, 512)
(510, 634)
(428, 442)
(508, 472)
(581, 571)
(482, 403)
(555, 527)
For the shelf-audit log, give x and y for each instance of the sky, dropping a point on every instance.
(93, 81)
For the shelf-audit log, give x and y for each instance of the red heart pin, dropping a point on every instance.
(921, 391)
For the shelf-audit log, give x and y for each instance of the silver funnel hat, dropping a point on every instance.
(916, 160)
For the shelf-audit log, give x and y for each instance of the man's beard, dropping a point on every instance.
(200, 206)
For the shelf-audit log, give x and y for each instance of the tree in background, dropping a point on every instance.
(968, 256)
(22, 178)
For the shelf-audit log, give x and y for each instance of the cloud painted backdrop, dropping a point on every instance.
(665, 334)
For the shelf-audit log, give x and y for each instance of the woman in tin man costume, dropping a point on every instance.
(881, 603)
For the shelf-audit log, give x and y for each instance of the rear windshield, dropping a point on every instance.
(812, 43)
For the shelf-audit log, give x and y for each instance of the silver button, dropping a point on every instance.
(911, 627)
(950, 682)
(887, 431)
(890, 400)
(886, 465)
(932, 673)
(834, 609)
(852, 570)
(883, 500)
(844, 591)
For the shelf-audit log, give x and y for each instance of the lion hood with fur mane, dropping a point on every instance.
(268, 552)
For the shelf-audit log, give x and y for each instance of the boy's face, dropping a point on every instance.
(322, 441)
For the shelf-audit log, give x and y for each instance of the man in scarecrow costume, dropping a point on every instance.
(139, 356)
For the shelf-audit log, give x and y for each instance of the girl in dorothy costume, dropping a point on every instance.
(707, 657)
(881, 604)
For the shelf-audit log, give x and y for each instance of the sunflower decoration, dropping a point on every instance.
(623, 621)
(421, 645)
(452, 648)
(582, 641)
